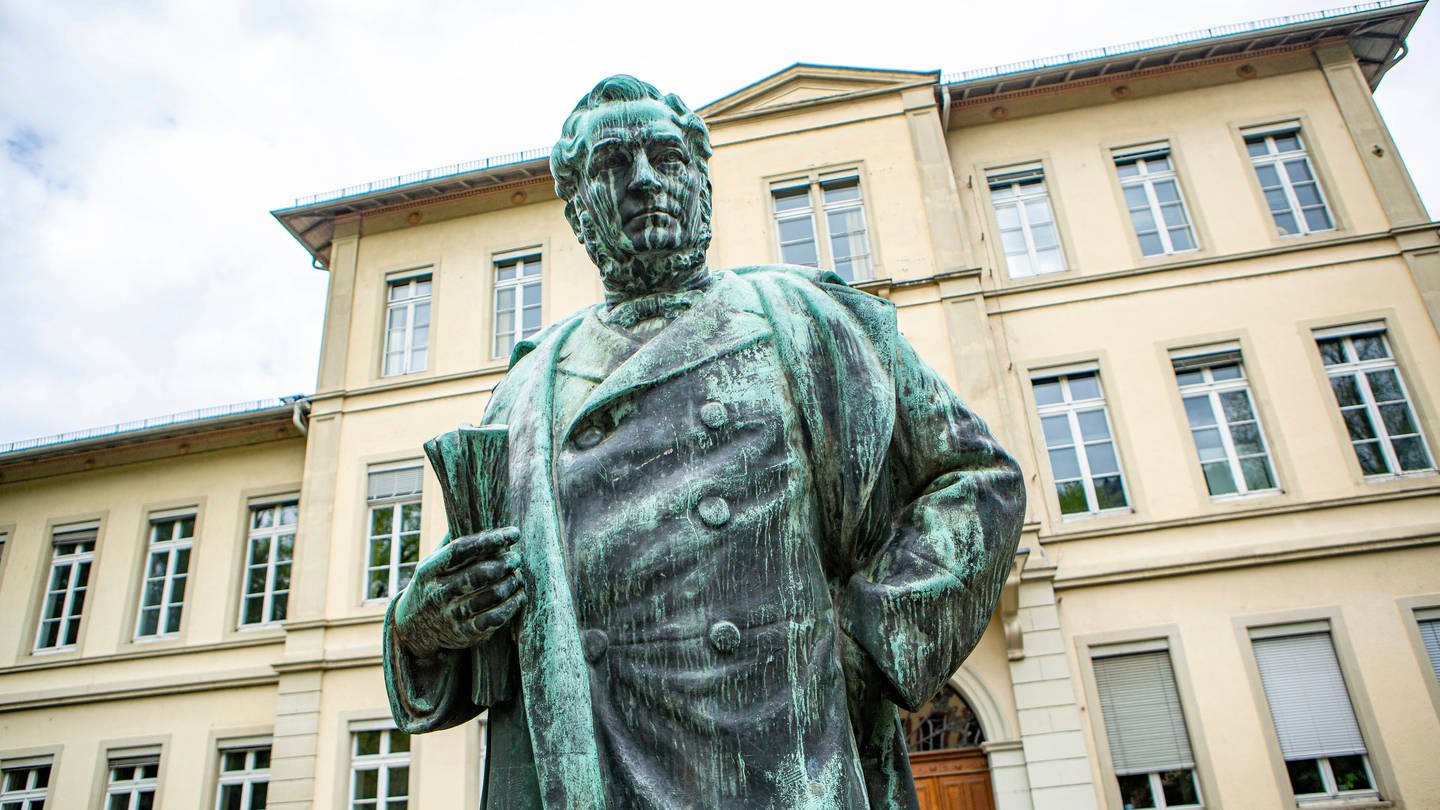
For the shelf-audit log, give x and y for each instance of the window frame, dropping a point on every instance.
(75, 535)
(272, 563)
(396, 504)
(1019, 176)
(171, 548)
(30, 797)
(1274, 158)
(411, 279)
(1248, 630)
(1097, 653)
(1070, 408)
(134, 787)
(817, 212)
(518, 285)
(1212, 390)
(247, 778)
(1146, 178)
(1359, 370)
(381, 762)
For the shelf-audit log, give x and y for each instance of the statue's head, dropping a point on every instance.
(631, 166)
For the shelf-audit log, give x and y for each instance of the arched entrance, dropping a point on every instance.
(951, 772)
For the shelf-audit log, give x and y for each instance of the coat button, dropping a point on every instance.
(594, 642)
(713, 415)
(589, 437)
(725, 637)
(714, 511)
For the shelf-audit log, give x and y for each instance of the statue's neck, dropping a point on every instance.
(638, 276)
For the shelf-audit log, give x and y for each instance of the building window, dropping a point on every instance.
(1429, 622)
(74, 553)
(132, 783)
(379, 769)
(268, 554)
(162, 592)
(407, 325)
(1149, 745)
(244, 778)
(1027, 226)
(1233, 455)
(1079, 443)
(1152, 193)
(1320, 740)
(394, 544)
(1288, 181)
(844, 243)
(517, 301)
(1373, 402)
(24, 784)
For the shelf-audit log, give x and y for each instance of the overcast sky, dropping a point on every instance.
(146, 142)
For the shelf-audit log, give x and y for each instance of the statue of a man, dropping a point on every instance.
(749, 522)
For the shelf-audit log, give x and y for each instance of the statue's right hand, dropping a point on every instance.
(460, 595)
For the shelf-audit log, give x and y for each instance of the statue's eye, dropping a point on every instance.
(669, 157)
(609, 160)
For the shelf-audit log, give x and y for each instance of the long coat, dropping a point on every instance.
(747, 541)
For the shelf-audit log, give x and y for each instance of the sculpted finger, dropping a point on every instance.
(484, 624)
(482, 546)
(478, 577)
(497, 592)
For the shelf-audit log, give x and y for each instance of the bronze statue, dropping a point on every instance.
(745, 520)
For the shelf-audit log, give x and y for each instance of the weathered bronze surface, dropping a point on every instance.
(741, 520)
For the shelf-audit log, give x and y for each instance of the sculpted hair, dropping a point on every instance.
(565, 157)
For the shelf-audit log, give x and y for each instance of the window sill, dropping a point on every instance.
(1238, 497)
(1403, 476)
(1342, 803)
(1081, 517)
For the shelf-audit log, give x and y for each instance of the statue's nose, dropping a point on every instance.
(642, 175)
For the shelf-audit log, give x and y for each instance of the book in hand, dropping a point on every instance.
(472, 464)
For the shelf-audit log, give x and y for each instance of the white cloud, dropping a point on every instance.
(145, 143)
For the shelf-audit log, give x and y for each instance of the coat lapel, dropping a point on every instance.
(726, 319)
(553, 674)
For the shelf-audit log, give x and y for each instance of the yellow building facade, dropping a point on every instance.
(1189, 283)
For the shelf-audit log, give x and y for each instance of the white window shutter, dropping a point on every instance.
(1143, 718)
(1430, 634)
(389, 484)
(1308, 702)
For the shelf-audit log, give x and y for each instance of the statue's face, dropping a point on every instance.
(641, 192)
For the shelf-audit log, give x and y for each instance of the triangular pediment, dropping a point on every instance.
(802, 84)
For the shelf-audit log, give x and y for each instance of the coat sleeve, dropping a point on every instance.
(919, 601)
(426, 694)
(435, 693)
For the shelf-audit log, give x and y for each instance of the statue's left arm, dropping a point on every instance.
(920, 601)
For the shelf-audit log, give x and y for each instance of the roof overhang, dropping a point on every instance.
(150, 440)
(312, 219)
(1375, 32)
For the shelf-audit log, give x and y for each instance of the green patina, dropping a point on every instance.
(713, 532)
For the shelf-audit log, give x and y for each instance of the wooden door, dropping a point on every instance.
(954, 779)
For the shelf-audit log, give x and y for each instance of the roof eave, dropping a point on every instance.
(1126, 59)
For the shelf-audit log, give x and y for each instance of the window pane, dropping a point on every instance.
(1385, 385)
(1135, 791)
(1072, 497)
(1257, 473)
(1350, 773)
(1109, 493)
(1199, 412)
(1064, 463)
(1411, 453)
(1347, 391)
(1219, 479)
(1057, 431)
(1179, 788)
(1371, 460)
(1305, 776)
(367, 742)
(1047, 392)
(1092, 425)
(1084, 386)
(1102, 459)
(792, 199)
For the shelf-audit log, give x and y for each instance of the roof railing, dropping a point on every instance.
(493, 162)
(1162, 42)
(153, 422)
